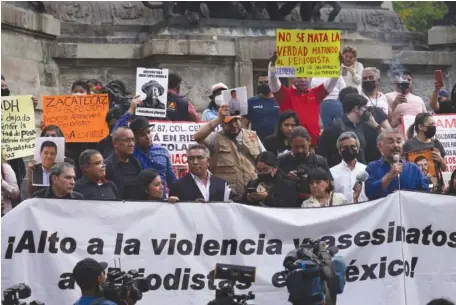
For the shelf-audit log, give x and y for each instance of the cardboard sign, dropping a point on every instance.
(308, 53)
(423, 159)
(48, 152)
(236, 99)
(81, 117)
(18, 126)
(152, 86)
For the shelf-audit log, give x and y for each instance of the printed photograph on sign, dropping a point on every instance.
(152, 87)
(18, 126)
(236, 99)
(423, 158)
(48, 151)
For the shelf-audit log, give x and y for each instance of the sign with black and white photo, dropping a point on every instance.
(152, 87)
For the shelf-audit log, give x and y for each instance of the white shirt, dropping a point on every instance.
(312, 202)
(345, 179)
(354, 80)
(45, 176)
(380, 102)
(204, 188)
(334, 95)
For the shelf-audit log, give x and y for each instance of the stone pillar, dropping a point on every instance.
(244, 75)
(443, 37)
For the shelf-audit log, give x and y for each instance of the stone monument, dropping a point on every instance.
(48, 45)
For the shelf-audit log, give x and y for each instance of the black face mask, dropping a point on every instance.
(369, 86)
(263, 89)
(349, 154)
(430, 132)
(265, 177)
(5, 92)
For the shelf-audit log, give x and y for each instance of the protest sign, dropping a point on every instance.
(446, 134)
(308, 53)
(81, 117)
(397, 249)
(423, 158)
(176, 137)
(18, 126)
(152, 87)
(48, 151)
(236, 99)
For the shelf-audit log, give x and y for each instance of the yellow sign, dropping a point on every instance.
(308, 53)
(18, 126)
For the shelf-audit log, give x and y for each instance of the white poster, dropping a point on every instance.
(152, 87)
(399, 250)
(446, 134)
(236, 99)
(48, 151)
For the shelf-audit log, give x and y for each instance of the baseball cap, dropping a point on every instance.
(444, 92)
(139, 123)
(218, 86)
(86, 272)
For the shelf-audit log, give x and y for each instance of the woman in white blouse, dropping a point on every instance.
(10, 189)
(322, 191)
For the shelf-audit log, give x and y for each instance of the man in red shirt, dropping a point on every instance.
(301, 98)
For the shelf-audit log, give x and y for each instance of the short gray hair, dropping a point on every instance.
(86, 155)
(58, 169)
(348, 135)
(388, 132)
(116, 132)
(372, 69)
(206, 152)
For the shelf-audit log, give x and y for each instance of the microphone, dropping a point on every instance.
(397, 159)
(360, 178)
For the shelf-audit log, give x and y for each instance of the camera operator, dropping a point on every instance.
(301, 161)
(90, 275)
(402, 101)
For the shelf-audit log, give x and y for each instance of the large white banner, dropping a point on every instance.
(399, 250)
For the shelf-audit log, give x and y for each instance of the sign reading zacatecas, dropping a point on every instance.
(18, 126)
(308, 53)
(81, 117)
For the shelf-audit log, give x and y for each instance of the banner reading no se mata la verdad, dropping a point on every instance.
(18, 126)
(308, 53)
(399, 250)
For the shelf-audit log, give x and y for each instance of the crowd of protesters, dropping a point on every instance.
(305, 145)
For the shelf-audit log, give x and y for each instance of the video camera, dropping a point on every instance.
(312, 275)
(123, 287)
(233, 274)
(13, 295)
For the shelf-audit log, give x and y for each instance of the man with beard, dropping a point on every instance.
(390, 174)
(263, 110)
(234, 150)
(300, 162)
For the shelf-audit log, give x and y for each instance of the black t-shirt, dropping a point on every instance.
(446, 107)
(288, 163)
(130, 178)
(371, 152)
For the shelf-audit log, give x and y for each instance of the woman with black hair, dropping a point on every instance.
(425, 129)
(152, 187)
(452, 184)
(322, 191)
(279, 143)
(442, 101)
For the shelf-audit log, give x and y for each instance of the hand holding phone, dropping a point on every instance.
(438, 77)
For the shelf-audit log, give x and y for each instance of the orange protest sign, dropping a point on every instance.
(81, 117)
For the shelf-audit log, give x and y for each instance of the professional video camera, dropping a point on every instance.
(13, 295)
(233, 274)
(313, 276)
(124, 287)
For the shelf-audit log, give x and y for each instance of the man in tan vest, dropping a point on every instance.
(233, 150)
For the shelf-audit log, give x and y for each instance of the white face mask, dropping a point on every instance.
(218, 100)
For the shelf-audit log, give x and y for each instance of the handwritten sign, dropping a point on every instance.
(81, 117)
(308, 53)
(176, 137)
(18, 126)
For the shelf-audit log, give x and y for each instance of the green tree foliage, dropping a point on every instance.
(418, 15)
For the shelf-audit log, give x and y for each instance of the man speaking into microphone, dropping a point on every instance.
(390, 173)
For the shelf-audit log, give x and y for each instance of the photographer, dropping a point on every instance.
(90, 275)
(301, 161)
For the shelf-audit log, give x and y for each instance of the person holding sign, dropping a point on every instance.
(300, 98)
(425, 129)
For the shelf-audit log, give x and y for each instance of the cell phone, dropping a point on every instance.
(438, 76)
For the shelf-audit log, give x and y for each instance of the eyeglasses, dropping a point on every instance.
(96, 163)
(51, 135)
(127, 140)
(263, 171)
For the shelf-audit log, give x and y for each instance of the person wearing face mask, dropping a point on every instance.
(233, 150)
(211, 112)
(425, 129)
(301, 161)
(302, 99)
(179, 107)
(356, 113)
(345, 172)
(263, 110)
(442, 102)
(271, 188)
